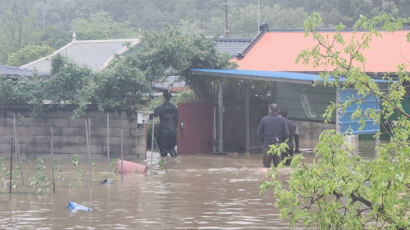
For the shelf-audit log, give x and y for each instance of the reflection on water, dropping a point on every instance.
(198, 192)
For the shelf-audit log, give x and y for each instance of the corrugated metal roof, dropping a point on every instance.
(12, 71)
(95, 54)
(300, 78)
(346, 122)
(259, 75)
(277, 51)
(232, 46)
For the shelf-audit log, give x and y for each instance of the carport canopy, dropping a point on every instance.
(275, 76)
(262, 75)
(289, 77)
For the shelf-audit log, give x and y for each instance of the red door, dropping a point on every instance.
(195, 128)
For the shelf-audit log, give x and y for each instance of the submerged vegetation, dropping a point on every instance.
(339, 191)
(39, 181)
(39, 174)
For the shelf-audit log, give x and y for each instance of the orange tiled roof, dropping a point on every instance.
(277, 51)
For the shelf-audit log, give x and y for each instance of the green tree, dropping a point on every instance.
(17, 29)
(65, 82)
(342, 190)
(28, 54)
(176, 51)
(122, 83)
(22, 91)
(51, 22)
(100, 26)
(54, 36)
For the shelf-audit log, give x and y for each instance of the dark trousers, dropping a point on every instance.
(268, 158)
(289, 154)
(166, 143)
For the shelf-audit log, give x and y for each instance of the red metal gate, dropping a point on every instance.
(195, 128)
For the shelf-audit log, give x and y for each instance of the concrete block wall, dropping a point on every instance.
(309, 132)
(69, 134)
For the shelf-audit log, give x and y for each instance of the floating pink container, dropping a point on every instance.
(130, 167)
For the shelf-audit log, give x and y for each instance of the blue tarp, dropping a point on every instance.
(75, 207)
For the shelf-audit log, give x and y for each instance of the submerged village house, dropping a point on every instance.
(270, 57)
(204, 127)
(33, 132)
(69, 134)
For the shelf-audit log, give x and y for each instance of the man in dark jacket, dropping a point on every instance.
(167, 135)
(293, 136)
(272, 130)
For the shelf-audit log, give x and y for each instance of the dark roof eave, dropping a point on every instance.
(251, 45)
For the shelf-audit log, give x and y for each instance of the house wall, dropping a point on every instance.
(234, 123)
(69, 134)
(304, 102)
(309, 132)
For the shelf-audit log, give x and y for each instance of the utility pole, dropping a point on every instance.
(226, 18)
(44, 13)
(225, 4)
(259, 14)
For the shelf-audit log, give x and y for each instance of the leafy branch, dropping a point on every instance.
(342, 190)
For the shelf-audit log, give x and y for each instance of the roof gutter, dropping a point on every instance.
(250, 77)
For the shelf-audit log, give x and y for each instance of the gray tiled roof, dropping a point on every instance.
(12, 71)
(94, 54)
(232, 46)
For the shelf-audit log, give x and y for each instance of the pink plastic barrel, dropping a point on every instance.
(130, 167)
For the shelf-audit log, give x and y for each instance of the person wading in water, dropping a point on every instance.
(168, 116)
(273, 130)
(293, 136)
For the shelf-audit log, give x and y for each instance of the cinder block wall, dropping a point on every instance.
(69, 134)
(310, 131)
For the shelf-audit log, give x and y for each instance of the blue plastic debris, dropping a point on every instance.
(75, 207)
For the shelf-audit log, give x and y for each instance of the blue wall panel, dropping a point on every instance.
(364, 102)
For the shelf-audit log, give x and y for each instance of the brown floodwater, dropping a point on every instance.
(201, 191)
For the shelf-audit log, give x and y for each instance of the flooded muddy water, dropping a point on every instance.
(200, 191)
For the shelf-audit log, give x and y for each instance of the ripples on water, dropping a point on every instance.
(198, 192)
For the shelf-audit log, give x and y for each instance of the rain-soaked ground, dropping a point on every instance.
(201, 191)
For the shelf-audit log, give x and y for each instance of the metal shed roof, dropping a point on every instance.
(277, 51)
(290, 77)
